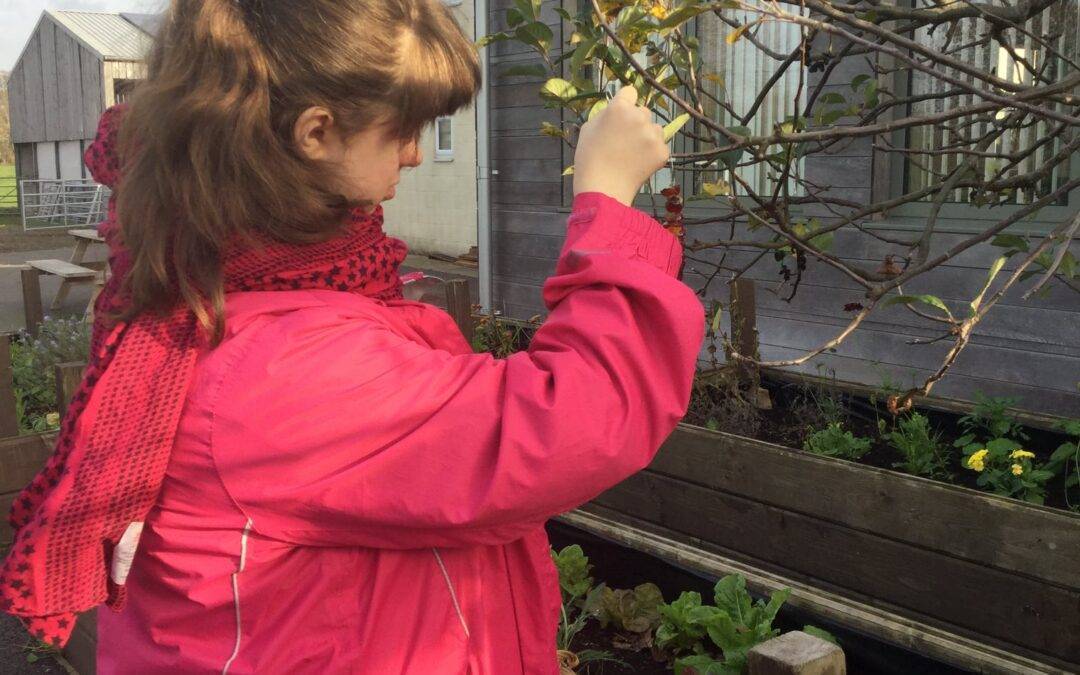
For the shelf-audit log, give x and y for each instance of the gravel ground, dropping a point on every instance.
(14, 641)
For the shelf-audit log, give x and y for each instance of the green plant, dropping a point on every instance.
(990, 418)
(734, 624)
(1066, 459)
(573, 567)
(1005, 468)
(59, 340)
(833, 441)
(920, 447)
(635, 614)
(580, 602)
(500, 336)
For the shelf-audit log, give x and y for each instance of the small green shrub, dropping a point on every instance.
(833, 441)
(990, 418)
(59, 340)
(1005, 468)
(919, 446)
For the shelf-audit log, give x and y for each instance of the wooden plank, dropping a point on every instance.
(67, 378)
(921, 581)
(459, 306)
(16, 95)
(532, 245)
(519, 147)
(33, 312)
(519, 221)
(528, 170)
(49, 81)
(516, 293)
(518, 94)
(21, 457)
(61, 268)
(87, 233)
(93, 96)
(517, 192)
(796, 653)
(68, 88)
(9, 417)
(838, 172)
(933, 639)
(530, 118)
(1038, 542)
(34, 90)
(523, 268)
(6, 534)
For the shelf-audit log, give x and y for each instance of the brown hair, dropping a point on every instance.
(208, 139)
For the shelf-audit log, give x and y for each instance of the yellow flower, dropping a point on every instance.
(977, 461)
(1017, 469)
(659, 11)
(1021, 454)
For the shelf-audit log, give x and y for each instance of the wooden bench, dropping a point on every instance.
(31, 286)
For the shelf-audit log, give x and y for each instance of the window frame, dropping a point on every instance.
(890, 181)
(444, 155)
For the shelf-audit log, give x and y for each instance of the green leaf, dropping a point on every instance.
(717, 189)
(597, 107)
(489, 39)
(931, 300)
(672, 127)
(729, 594)
(558, 88)
(819, 633)
(858, 81)
(833, 97)
(994, 270)
(536, 34)
(514, 17)
(1010, 241)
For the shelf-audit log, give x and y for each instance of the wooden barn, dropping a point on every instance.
(74, 65)
(1026, 349)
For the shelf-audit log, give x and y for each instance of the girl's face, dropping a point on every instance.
(366, 166)
(369, 165)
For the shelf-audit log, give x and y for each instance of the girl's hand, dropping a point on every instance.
(619, 149)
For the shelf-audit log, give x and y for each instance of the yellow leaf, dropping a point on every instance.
(734, 35)
(720, 187)
(672, 127)
(559, 88)
(713, 77)
(597, 107)
(568, 171)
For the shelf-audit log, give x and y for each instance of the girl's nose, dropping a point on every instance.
(411, 154)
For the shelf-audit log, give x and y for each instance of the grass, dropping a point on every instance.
(8, 197)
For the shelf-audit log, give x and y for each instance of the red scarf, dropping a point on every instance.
(71, 517)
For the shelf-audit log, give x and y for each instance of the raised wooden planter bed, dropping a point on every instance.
(973, 579)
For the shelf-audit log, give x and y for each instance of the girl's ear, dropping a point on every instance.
(315, 135)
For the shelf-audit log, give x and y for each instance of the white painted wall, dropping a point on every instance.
(434, 210)
(71, 163)
(46, 160)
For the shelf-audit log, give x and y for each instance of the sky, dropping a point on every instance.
(18, 18)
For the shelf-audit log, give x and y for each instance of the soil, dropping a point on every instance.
(14, 239)
(798, 409)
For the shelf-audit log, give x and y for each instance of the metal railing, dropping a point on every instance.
(9, 194)
(62, 203)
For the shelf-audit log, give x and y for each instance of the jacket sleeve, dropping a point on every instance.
(370, 439)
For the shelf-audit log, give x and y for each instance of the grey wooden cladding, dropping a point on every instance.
(940, 553)
(55, 92)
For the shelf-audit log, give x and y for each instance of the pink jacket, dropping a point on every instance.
(353, 491)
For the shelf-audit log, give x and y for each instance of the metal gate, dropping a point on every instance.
(62, 203)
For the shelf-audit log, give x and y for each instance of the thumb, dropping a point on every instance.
(627, 93)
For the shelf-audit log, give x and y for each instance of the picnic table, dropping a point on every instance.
(76, 270)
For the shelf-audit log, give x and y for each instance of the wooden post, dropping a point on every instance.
(459, 305)
(68, 377)
(744, 336)
(32, 309)
(796, 653)
(9, 416)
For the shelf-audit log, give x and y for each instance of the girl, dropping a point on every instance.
(275, 464)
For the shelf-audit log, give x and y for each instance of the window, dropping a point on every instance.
(1033, 54)
(444, 140)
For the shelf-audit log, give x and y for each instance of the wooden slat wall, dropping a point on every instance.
(1027, 349)
(56, 93)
